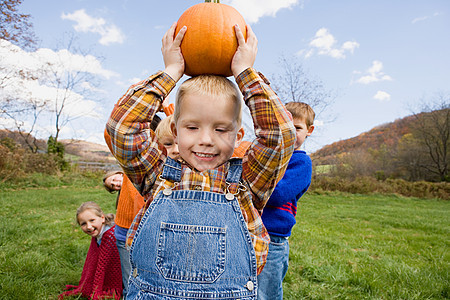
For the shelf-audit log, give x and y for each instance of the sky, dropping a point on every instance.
(380, 59)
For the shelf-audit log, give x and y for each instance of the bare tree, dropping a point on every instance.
(14, 26)
(73, 84)
(292, 83)
(409, 157)
(432, 131)
(29, 111)
(67, 78)
(19, 112)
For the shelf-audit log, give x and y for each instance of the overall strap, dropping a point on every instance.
(234, 175)
(172, 170)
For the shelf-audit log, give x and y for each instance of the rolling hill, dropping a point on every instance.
(75, 150)
(388, 134)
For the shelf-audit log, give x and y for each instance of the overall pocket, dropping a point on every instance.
(191, 253)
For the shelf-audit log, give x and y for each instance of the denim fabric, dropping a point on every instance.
(192, 244)
(124, 264)
(271, 278)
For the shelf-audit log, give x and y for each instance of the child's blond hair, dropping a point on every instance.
(164, 129)
(301, 110)
(211, 85)
(95, 208)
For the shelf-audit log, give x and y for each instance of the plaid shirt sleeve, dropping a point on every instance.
(268, 157)
(134, 144)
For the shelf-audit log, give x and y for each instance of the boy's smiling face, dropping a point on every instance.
(207, 130)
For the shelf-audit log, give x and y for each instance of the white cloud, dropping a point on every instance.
(14, 58)
(24, 79)
(31, 90)
(88, 86)
(423, 18)
(382, 96)
(109, 33)
(65, 133)
(253, 10)
(26, 126)
(71, 62)
(134, 80)
(324, 43)
(318, 123)
(374, 74)
(96, 137)
(8, 123)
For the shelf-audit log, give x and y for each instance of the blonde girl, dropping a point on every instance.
(101, 276)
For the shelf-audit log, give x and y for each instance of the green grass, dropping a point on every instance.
(63, 179)
(323, 169)
(41, 247)
(343, 246)
(369, 247)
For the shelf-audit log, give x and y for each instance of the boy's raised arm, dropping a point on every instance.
(268, 157)
(171, 51)
(245, 55)
(133, 143)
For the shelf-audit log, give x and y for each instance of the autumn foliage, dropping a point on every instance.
(16, 27)
(415, 148)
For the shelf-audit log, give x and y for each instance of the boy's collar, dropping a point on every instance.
(230, 161)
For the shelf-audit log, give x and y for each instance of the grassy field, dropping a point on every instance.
(343, 246)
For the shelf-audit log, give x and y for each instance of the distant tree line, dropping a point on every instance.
(422, 153)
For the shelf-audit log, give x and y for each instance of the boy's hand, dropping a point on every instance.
(246, 51)
(171, 51)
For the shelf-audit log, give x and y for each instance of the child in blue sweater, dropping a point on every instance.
(279, 213)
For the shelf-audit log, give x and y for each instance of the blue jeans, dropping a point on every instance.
(271, 278)
(192, 245)
(124, 264)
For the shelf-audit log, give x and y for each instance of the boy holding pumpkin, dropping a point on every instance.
(200, 234)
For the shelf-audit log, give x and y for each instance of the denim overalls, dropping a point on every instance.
(193, 244)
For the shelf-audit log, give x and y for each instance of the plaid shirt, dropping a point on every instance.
(142, 157)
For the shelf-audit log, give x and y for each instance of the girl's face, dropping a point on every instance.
(90, 223)
(114, 182)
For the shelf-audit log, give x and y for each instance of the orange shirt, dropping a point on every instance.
(129, 204)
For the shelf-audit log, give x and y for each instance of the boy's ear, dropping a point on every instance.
(103, 219)
(239, 137)
(310, 130)
(173, 128)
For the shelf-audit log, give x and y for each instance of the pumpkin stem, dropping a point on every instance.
(215, 1)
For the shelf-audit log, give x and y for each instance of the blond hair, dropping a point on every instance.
(95, 208)
(301, 110)
(164, 128)
(211, 85)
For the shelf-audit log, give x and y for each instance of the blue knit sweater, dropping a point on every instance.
(279, 213)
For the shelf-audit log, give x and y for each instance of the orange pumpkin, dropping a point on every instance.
(210, 40)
